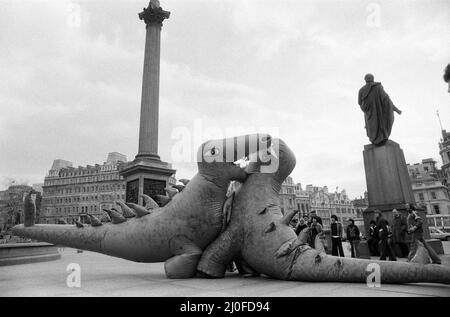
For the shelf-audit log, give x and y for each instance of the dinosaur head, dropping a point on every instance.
(218, 159)
(278, 160)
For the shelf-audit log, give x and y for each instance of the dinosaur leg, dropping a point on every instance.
(184, 263)
(218, 254)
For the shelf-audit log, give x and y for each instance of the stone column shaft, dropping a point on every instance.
(153, 17)
(148, 130)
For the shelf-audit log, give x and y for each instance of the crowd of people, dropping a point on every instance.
(386, 239)
(314, 223)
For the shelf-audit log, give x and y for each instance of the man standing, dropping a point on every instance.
(373, 241)
(385, 235)
(378, 110)
(415, 227)
(353, 237)
(336, 237)
(399, 231)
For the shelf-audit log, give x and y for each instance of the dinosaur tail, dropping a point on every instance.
(311, 265)
(88, 238)
(131, 240)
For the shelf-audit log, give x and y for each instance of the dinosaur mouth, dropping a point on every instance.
(252, 162)
(242, 162)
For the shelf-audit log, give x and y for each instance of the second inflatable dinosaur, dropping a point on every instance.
(259, 237)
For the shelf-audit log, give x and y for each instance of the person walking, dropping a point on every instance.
(316, 228)
(399, 231)
(385, 236)
(353, 236)
(374, 240)
(415, 227)
(336, 237)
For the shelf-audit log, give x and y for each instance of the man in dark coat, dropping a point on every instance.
(385, 235)
(415, 227)
(336, 237)
(378, 110)
(399, 231)
(353, 238)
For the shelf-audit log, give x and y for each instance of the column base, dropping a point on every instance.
(144, 176)
(148, 157)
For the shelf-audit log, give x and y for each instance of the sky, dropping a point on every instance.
(71, 76)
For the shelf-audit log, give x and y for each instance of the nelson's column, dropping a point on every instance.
(147, 174)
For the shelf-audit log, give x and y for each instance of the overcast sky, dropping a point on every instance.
(71, 71)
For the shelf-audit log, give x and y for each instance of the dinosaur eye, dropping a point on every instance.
(213, 151)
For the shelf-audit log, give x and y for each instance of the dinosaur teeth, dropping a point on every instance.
(163, 200)
(178, 187)
(271, 227)
(61, 221)
(78, 224)
(95, 222)
(171, 191)
(262, 211)
(116, 217)
(184, 181)
(138, 210)
(126, 211)
(149, 202)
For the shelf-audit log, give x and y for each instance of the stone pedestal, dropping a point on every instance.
(388, 183)
(145, 177)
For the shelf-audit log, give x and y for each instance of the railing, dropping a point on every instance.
(439, 221)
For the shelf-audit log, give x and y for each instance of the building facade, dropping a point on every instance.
(287, 196)
(69, 193)
(361, 204)
(444, 152)
(429, 189)
(302, 201)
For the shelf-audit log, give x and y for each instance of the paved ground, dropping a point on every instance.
(107, 276)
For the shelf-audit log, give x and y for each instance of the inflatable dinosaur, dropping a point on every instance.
(259, 239)
(176, 233)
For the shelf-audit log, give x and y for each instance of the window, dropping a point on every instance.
(421, 198)
(436, 209)
(433, 195)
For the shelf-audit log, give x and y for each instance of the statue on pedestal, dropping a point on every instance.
(378, 110)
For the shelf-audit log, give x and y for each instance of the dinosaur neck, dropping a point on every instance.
(201, 201)
(312, 266)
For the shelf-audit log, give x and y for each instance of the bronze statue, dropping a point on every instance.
(378, 110)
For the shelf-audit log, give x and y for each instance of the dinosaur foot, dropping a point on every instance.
(182, 266)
